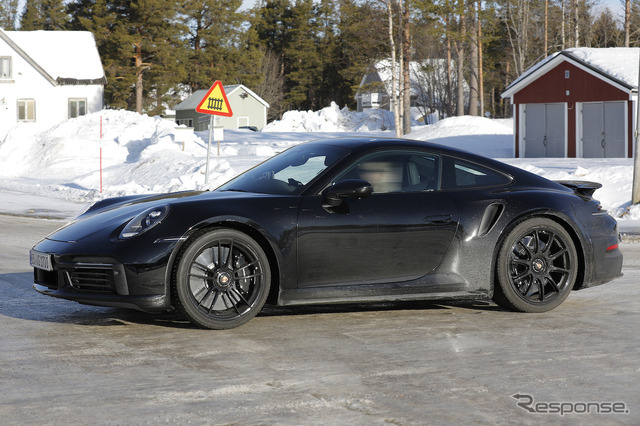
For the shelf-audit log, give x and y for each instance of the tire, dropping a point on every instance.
(536, 267)
(221, 280)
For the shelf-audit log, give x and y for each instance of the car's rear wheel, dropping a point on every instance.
(222, 279)
(536, 266)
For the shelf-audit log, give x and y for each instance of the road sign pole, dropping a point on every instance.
(215, 102)
(214, 136)
(206, 171)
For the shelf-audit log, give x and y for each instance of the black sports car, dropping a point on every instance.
(331, 221)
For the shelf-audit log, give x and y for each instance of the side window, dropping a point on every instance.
(459, 174)
(77, 107)
(395, 171)
(26, 110)
(5, 67)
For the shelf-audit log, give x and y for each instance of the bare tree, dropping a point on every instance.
(394, 71)
(460, 53)
(627, 22)
(473, 62)
(271, 88)
(546, 27)
(449, 97)
(406, 57)
(516, 17)
(563, 36)
(576, 23)
(480, 71)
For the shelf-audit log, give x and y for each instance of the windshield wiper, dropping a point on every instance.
(235, 190)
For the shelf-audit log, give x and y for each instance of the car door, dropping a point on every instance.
(400, 232)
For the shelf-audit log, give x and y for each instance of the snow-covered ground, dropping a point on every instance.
(56, 172)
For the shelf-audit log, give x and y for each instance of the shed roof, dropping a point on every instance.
(68, 57)
(618, 65)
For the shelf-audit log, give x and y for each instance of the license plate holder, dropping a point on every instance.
(40, 260)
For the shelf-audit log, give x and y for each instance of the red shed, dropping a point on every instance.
(577, 103)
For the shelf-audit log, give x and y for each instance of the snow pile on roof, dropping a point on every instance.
(333, 119)
(618, 62)
(421, 74)
(484, 136)
(62, 54)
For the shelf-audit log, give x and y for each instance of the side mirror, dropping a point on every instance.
(350, 188)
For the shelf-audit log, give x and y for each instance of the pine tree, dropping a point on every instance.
(44, 15)
(215, 37)
(302, 66)
(8, 14)
(140, 46)
(361, 41)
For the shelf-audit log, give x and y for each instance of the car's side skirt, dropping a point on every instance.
(438, 286)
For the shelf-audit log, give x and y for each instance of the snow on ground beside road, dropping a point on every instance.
(142, 154)
(484, 136)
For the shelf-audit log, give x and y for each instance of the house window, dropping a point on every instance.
(26, 110)
(186, 121)
(5, 67)
(77, 107)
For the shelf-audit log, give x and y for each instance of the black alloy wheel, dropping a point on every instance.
(222, 279)
(536, 267)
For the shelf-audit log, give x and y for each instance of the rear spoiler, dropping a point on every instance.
(581, 187)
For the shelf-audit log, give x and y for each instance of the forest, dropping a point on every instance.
(303, 54)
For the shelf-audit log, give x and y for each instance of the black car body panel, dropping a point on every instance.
(432, 242)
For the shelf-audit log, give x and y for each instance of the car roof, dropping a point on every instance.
(358, 144)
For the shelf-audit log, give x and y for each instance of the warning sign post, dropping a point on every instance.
(214, 103)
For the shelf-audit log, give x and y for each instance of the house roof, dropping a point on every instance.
(617, 65)
(192, 101)
(420, 72)
(66, 57)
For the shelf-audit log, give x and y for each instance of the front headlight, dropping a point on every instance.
(144, 221)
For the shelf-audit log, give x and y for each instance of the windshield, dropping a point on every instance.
(288, 173)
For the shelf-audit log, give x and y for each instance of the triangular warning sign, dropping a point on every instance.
(215, 102)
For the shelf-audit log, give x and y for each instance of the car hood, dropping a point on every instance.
(110, 215)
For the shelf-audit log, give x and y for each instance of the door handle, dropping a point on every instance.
(439, 219)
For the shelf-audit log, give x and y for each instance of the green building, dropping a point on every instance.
(249, 110)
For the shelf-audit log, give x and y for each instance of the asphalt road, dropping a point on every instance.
(402, 363)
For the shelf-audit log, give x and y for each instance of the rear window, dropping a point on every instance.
(458, 174)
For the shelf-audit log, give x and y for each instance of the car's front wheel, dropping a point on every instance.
(536, 267)
(222, 279)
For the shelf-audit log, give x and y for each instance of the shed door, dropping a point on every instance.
(603, 130)
(544, 130)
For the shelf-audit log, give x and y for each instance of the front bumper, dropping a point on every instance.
(105, 282)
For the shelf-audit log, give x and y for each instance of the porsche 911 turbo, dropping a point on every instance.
(348, 220)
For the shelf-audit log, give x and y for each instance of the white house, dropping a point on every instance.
(428, 85)
(47, 77)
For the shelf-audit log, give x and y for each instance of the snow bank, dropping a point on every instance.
(484, 136)
(333, 119)
(140, 154)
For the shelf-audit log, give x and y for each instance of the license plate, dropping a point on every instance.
(40, 260)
